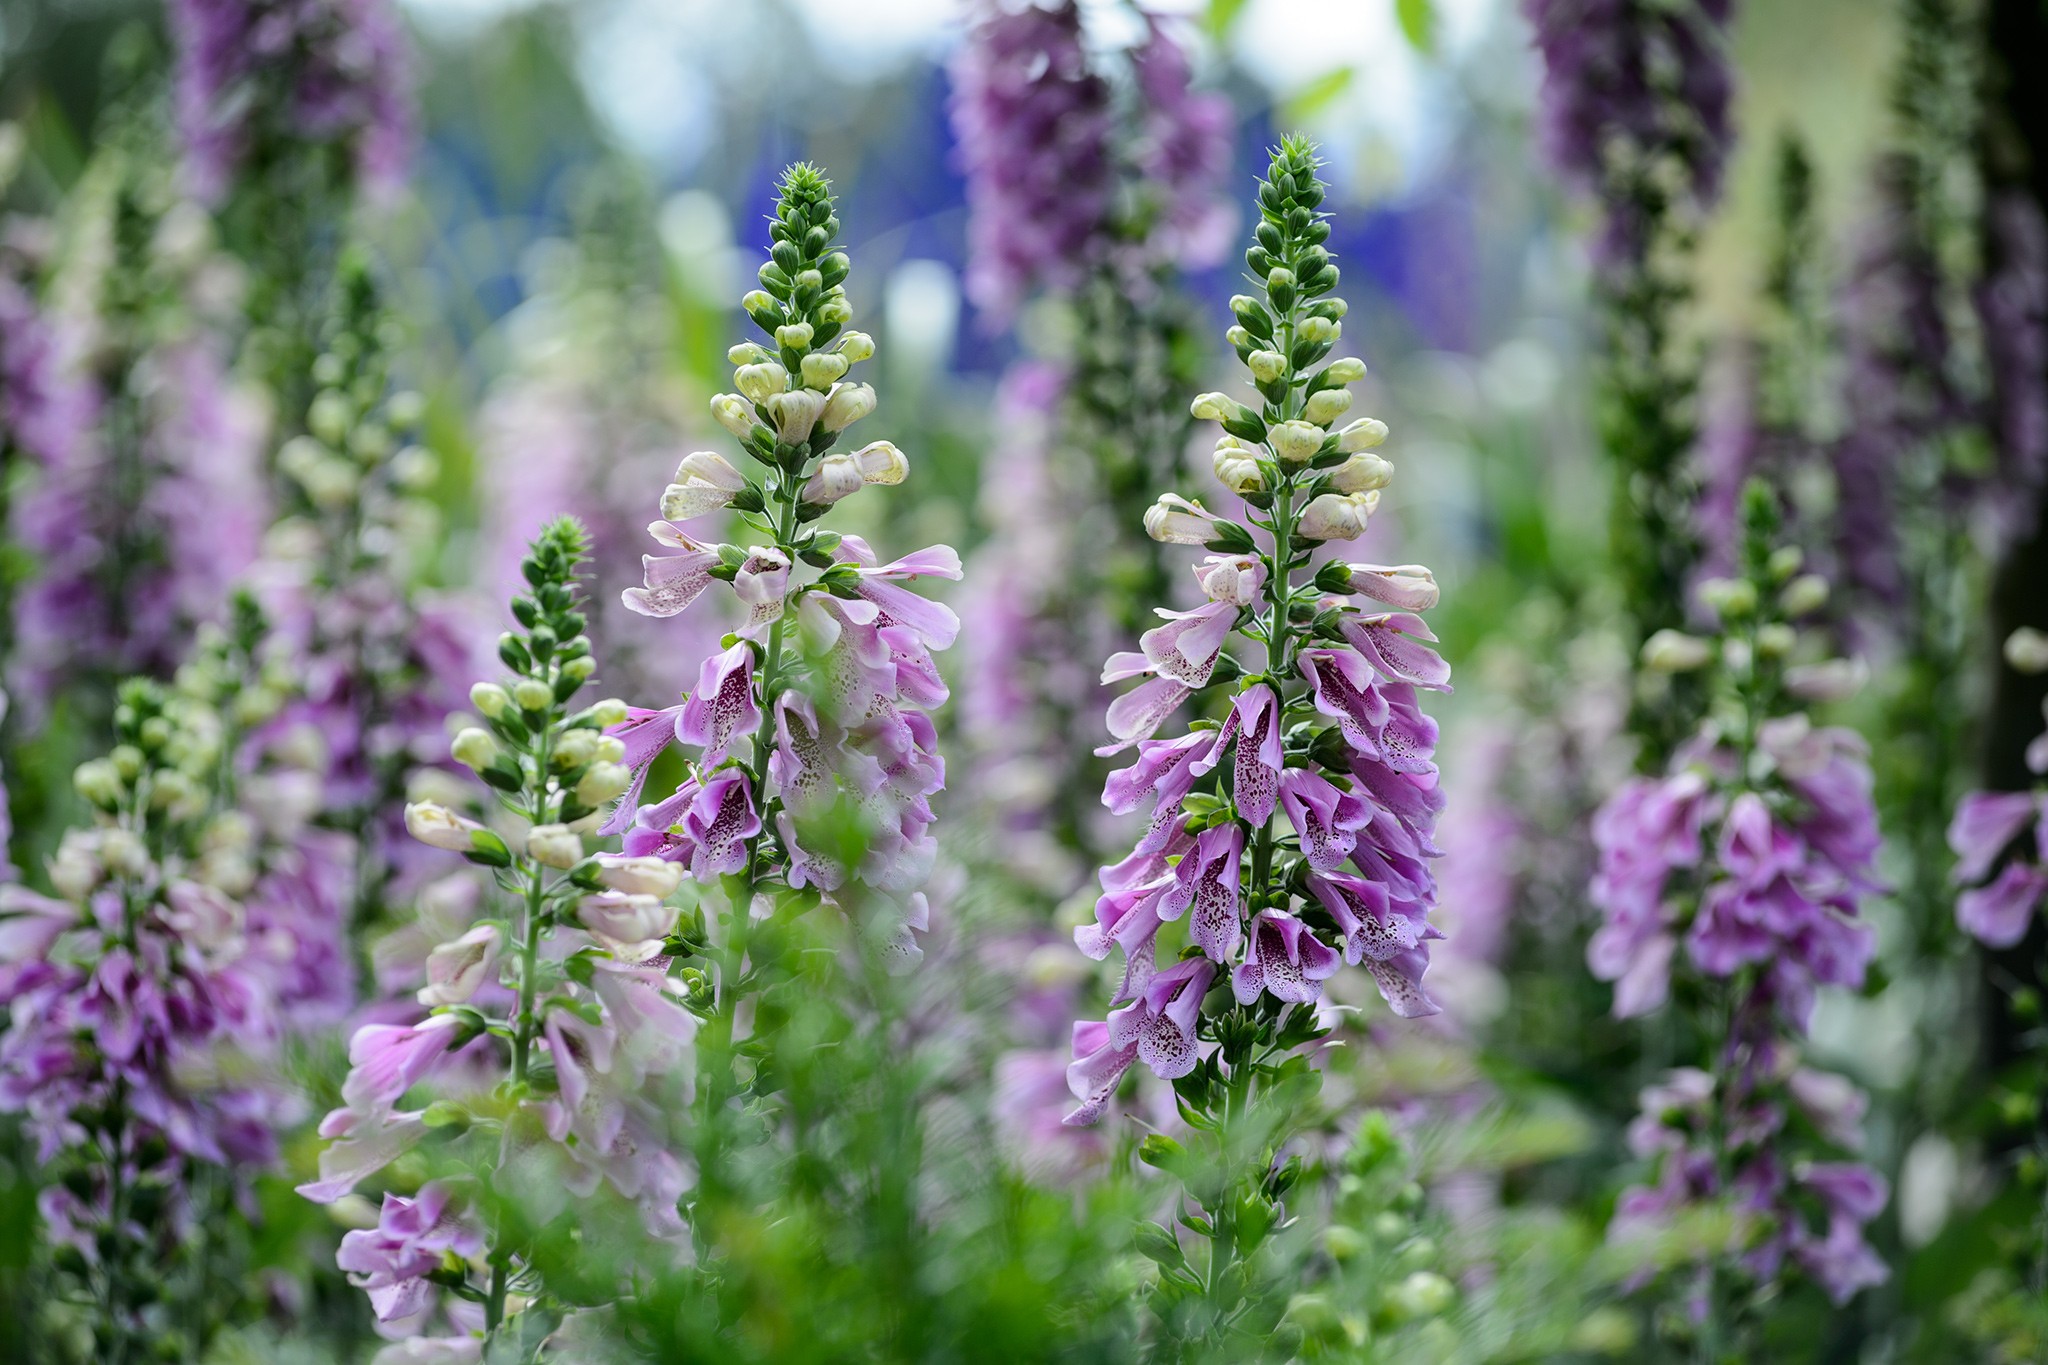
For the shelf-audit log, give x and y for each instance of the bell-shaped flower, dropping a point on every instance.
(1283, 959)
(638, 876)
(1236, 579)
(1410, 587)
(1176, 521)
(1384, 934)
(1336, 516)
(1363, 434)
(655, 1030)
(934, 625)
(722, 707)
(705, 823)
(1255, 724)
(412, 1241)
(361, 1143)
(1346, 690)
(795, 414)
(882, 463)
(1326, 817)
(705, 482)
(1390, 642)
(1295, 442)
(457, 968)
(386, 1060)
(836, 477)
(1161, 1021)
(629, 926)
(735, 414)
(1999, 912)
(762, 584)
(1984, 826)
(579, 1049)
(1238, 468)
(1128, 919)
(671, 582)
(1096, 1071)
(1364, 472)
(847, 405)
(762, 381)
(644, 734)
(1205, 886)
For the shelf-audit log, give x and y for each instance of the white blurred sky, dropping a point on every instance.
(653, 66)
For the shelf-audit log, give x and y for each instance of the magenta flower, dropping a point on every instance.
(723, 704)
(392, 1261)
(1283, 959)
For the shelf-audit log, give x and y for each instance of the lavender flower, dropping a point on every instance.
(830, 681)
(255, 74)
(2001, 838)
(1754, 851)
(1324, 729)
(132, 997)
(590, 1034)
(1631, 87)
(2012, 308)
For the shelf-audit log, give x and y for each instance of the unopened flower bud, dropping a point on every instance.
(705, 482)
(1318, 330)
(1363, 434)
(1829, 680)
(882, 463)
(836, 309)
(1785, 561)
(748, 353)
(603, 782)
(532, 694)
(630, 926)
(575, 749)
(1425, 1294)
(1295, 442)
(99, 782)
(489, 699)
(1238, 337)
(1348, 370)
(122, 854)
(856, 347)
(610, 749)
(1211, 407)
(609, 712)
(554, 845)
(1266, 366)
(795, 414)
(795, 335)
(1673, 651)
(457, 968)
(732, 412)
(1238, 470)
(762, 381)
(822, 369)
(847, 405)
(1337, 516)
(2026, 649)
(1805, 594)
(474, 749)
(755, 300)
(1279, 280)
(656, 877)
(1326, 406)
(1176, 521)
(1776, 640)
(1729, 597)
(1362, 473)
(836, 477)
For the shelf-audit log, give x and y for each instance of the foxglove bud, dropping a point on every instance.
(610, 749)
(748, 353)
(489, 699)
(836, 477)
(1212, 407)
(436, 826)
(554, 845)
(1176, 521)
(882, 463)
(1296, 442)
(2026, 649)
(705, 482)
(474, 749)
(761, 382)
(856, 347)
(1266, 366)
(1318, 330)
(847, 405)
(1238, 469)
(794, 335)
(1729, 597)
(1776, 640)
(631, 927)
(1673, 651)
(457, 968)
(574, 749)
(822, 369)
(1327, 406)
(608, 713)
(1349, 370)
(1362, 473)
(532, 694)
(655, 877)
(603, 782)
(731, 412)
(795, 414)
(757, 301)
(1336, 516)
(1804, 594)
(1231, 578)
(1363, 434)
(1829, 680)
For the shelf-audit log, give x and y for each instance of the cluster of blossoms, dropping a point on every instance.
(1326, 729)
(1754, 850)
(1633, 91)
(378, 666)
(2012, 826)
(139, 1019)
(142, 504)
(819, 703)
(554, 1036)
(254, 76)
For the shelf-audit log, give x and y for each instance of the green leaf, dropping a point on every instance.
(1317, 95)
(1418, 24)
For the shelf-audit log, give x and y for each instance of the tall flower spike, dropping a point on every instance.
(812, 720)
(141, 1023)
(1741, 869)
(1318, 727)
(569, 997)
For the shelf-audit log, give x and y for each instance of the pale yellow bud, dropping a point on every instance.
(555, 845)
(474, 748)
(1296, 442)
(847, 405)
(1327, 406)
(822, 369)
(1337, 516)
(762, 381)
(1673, 651)
(1238, 470)
(1266, 366)
(1363, 434)
(794, 335)
(1362, 473)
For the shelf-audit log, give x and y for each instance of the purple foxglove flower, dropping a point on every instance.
(1998, 913)
(361, 1144)
(673, 582)
(1185, 648)
(762, 585)
(1408, 587)
(722, 706)
(1236, 579)
(1388, 642)
(1206, 883)
(579, 1049)
(708, 823)
(1283, 958)
(1138, 713)
(1255, 723)
(801, 764)
(1128, 918)
(1383, 933)
(456, 969)
(1327, 818)
(645, 734)
(1096, 1071)
(1985, 824)
(1160, 1023)
(386, 1060)
(935, 626)
(393, 1260)
(1346, 691)
(631, 927)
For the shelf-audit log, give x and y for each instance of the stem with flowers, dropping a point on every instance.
(1327, 730)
